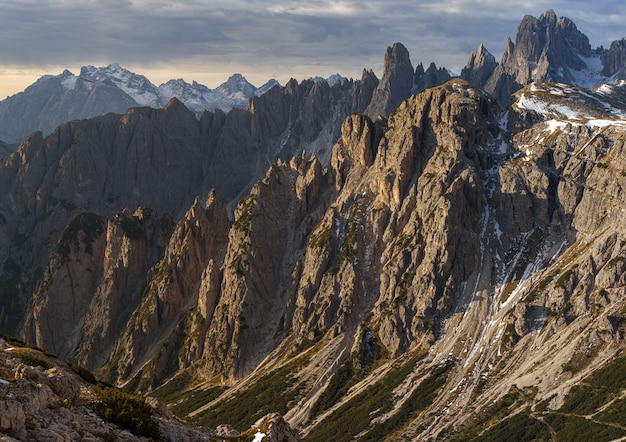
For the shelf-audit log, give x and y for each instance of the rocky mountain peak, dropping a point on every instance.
(548, 48)
(396, 83)
(175, 105)
(614, 60)
(237, 84)
(431, 77)
(543, 46)
(480, 65)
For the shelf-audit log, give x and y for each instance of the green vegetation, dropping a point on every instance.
(353, 370)
(494, 414)
(615, 413)
(272, 392)
(598, 389)
(196, 399)
(355, 415)
(90, 224)
(519, 427)
(543, 284)
(320, 240)
(174, 388)
(583, 400)
(131, 226)
(15, 342)
(31, 359)
(83, 373)
(243, 214)
(579, 418)
(613, 262)
(126, 410)
(510, 337)
(419, 400)
(576, 428)
(565, 277)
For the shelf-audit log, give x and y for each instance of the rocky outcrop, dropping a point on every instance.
(152, 158)
(396, 83)
(548, 48)
(55, 403)
(614, 60)
(173, 292)
(56, 99)
(479, 67)
(401, 287)
(431, 77)
(93, 282)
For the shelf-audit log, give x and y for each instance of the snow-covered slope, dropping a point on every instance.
(235, 92)
(602, 106)
(138, 87)
(55, 99)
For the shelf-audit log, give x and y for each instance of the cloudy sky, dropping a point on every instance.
(208, 40)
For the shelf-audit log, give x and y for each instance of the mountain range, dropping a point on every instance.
(416, 257)
(55, 99)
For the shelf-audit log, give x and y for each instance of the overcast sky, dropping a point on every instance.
(208, 40)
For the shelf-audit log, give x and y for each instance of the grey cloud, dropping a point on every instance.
(271, 35)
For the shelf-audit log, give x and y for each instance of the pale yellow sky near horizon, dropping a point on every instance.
(16, 80)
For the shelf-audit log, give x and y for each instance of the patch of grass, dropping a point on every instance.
(91, 226)
(519, 427)
(243, 213)
(613, 262)
(107, 437)
(83, 373)
(508, 289)
(614, 413)
(420, 399)
(174, 388)
(354, 369)
(16, 342)
(488, 416)
(543, 405)
(272, 392)
(196, 399)
(31, 359)
(355, 415)
(560, 282)
(575, 428)
(510, 336)
(126, 410)
(583, 400)
(540, 287)
(320, 240)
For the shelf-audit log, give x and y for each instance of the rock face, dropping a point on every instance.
(53, 100)
(54, 403)
(479, 67)
(435, 272)
(396, 83)
(548, 48)
(157, 158)
(431, 77)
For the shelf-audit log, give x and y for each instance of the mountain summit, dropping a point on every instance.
(548, 48)
(53, 100)
(451, 268)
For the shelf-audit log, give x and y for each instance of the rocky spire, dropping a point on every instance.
(433, 76)
(479, 67)
(396, 83)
